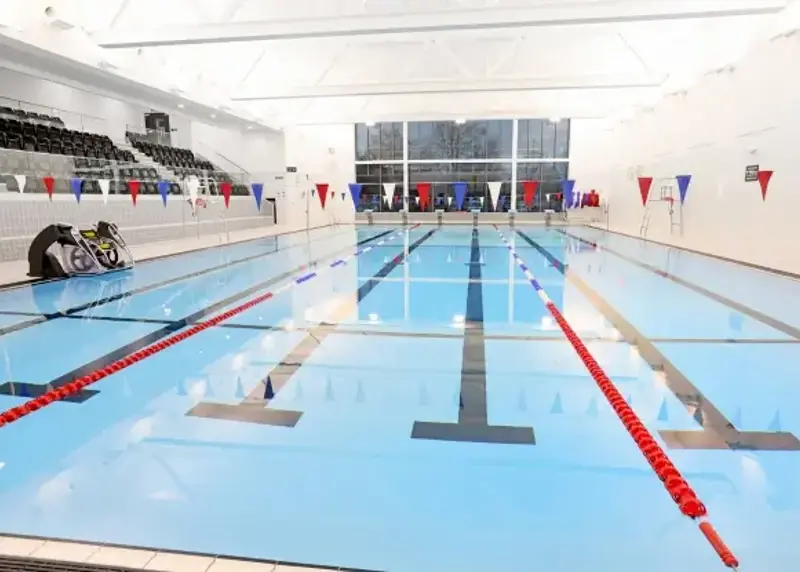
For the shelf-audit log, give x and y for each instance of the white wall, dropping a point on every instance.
(237, 151)
(731, 119)
(322, 154)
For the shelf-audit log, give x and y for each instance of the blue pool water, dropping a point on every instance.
(439, 419)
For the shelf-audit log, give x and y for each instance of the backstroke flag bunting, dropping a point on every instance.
(49, 184)
(225, 188)
(134, 188)
(355, 193)
(494, 192)
(644, 188)
(105, 187)
(388, 192)
(683, 186)
(322, 190)
(258, 193)
(461, 192)
(193, 186)
(568, 187)
(163, 190)
(764, 178)
(424, 190)
(77, 187)
(530, 188)
(21, 180)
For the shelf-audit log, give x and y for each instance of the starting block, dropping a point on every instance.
(439, 213)
(475, 213)
(370, 219)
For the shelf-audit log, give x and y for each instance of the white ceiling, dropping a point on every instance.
(318, 61)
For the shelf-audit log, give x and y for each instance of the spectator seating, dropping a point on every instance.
(184, 163)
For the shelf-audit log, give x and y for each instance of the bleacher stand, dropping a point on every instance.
(184, 163)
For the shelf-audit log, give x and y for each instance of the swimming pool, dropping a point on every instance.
(403, 400)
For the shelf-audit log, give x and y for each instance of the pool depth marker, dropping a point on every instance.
(148, 345)
(473, 425)
(253, 407)
(675, 484)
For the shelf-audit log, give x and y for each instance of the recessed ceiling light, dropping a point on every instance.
(460, 121)
(370, 124)
(555, 119)
(213, 116)
(180, 106)
(249, 126)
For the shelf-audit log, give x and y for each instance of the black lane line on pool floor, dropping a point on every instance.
(46, 317)
(718, 432)
(774, 323)
(253, 408)
(12, 387)
(473, 424)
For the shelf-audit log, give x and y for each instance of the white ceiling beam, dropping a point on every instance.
(637, 81)
(613, 12)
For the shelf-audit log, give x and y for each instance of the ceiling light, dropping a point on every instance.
(555, 119)
(180, 106)
(370, 124)
(213, 116)
(249, 126)
(460, 121)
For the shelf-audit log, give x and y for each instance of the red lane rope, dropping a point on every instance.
(675, 484)
(19, 411)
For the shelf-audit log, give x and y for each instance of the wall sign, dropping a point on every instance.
(294, 169)
(751, 173)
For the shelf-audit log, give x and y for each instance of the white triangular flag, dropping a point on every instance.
(105, 186)
(480, 200)
(494, 192)
(576, 199)
(450, 201)
(388, 192)
(21, 180)
(193, 185)
(416, 199)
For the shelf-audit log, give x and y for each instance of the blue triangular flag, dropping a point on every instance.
(567, 187)
(683, 185)
(461, 192)
(328, 389)
(269, 391)
(239, 389)
(663, 414)
(359, 392)
(355, 192)
(258, 192)
(776, 422)
(736, 321)
(163, 190)
(522, 403)
(557, 407)
(77, 187)
(592, 409)
(737, 418)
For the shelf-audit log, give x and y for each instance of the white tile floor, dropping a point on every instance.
(136, 559)
(17, 270)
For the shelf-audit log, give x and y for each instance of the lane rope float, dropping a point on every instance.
(25, 409)
(675, 484)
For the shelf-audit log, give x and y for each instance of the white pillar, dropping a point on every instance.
(514, 151)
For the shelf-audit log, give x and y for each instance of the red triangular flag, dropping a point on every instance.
(424, 191)
(763, 180)
(133, 186)
(530, 191)
(322, 191)
(644, 188)
(225, 187)
(49, 183)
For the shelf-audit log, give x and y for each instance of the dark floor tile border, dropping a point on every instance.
(35, 281)
(752, 265)
(320, 567)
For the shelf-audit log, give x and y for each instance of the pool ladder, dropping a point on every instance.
(675, 215)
